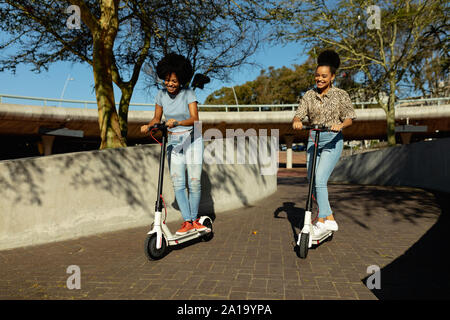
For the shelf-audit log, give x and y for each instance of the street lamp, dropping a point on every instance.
(235, 97)
(65, 86)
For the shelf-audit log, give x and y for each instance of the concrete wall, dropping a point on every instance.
(423, 165)
(66, 196)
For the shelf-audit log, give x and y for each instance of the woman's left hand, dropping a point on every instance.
(337, 127)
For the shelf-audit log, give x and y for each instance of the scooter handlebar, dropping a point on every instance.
(161, 126)
(158, 126)
(319, 127)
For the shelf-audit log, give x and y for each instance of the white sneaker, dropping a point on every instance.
(319, 229)
(331, 225)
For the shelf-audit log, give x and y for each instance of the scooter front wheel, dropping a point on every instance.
(304, 242)
(150, 248)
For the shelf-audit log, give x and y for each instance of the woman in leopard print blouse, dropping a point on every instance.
(329, 106)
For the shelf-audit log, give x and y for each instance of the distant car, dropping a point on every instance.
(298, 147)
(283, 148)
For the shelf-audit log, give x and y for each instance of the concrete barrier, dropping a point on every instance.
(423, 165)
(66, 196)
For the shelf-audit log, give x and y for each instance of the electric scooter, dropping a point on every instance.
(307, 238)
(159, 238)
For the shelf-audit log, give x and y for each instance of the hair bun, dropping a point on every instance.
(329, 58)
(200, 80)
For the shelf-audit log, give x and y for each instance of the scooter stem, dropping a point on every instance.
(162, 156)
(313, 172)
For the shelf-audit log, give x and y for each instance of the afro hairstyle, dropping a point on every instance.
(329, 58)
(175, 63)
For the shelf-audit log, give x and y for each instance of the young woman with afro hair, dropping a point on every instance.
(178, 103)
(332, 107)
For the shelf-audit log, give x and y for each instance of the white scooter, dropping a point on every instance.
(159, 238)
(307, 238)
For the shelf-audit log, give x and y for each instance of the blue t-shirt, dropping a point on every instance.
(176, 107)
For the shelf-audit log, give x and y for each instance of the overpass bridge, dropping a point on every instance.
(415, 119)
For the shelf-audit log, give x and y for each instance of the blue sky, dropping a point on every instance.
(50, 84)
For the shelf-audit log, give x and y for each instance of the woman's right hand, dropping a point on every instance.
(297, 125)
(144, 128)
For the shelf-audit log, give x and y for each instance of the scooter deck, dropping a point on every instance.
(177, 239)
(322, 238)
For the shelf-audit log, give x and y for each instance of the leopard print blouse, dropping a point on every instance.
(333, 108)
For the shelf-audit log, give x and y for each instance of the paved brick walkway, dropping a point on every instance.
(250, 257)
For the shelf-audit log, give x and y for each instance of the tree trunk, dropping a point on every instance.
(127, 88)
(123, 110)
(390, 121)
(390, 112)
(102, 61)
(108, 119)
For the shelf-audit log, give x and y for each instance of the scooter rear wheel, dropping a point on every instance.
(150, 248)
(304, 241)
(208, 236)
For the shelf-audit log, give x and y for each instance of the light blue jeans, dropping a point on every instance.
(329, 152)
(185, 152)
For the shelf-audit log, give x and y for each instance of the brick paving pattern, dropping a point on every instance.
(251, 256)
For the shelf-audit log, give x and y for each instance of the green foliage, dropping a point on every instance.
(277, 86)
(272, 86)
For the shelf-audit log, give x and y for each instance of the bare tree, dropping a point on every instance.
(379, 39)
(116, 38)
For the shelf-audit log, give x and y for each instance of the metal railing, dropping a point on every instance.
(421, 102)
(50, 102)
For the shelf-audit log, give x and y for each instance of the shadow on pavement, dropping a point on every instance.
(422, 272)
(294, 215)
(294, 165)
